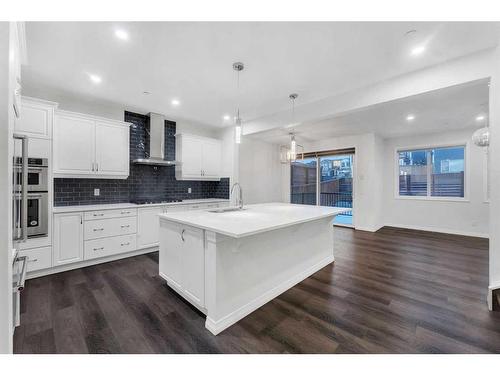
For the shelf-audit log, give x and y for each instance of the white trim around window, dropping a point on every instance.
(464, 199)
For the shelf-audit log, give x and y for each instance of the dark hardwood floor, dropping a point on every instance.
(394, 291)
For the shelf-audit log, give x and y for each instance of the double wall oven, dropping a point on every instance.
(30, 197)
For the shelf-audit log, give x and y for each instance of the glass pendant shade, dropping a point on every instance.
(481, 137)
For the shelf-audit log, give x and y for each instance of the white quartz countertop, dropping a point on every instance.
(253, 219)
(119, 206)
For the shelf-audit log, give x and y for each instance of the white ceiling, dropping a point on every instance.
(436, 111)
(192, 61)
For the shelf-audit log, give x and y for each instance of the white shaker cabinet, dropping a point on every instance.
(36, 118)
(199, 157)
(73, 145)
(182, 260)
(148, 226)
(111, 148)
(211, 158)
(90, 147)
(68, 238)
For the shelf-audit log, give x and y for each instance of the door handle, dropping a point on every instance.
(22, 278)
(24, 193)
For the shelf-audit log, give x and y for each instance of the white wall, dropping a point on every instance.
(469, 217)
(260, 171)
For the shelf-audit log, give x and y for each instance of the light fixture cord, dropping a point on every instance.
(238, 94)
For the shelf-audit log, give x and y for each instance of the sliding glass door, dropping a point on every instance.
(334, 172)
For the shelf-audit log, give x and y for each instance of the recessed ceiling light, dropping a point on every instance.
(175, 102)
(480, 118)
(418, 50)
(226, 117)
(95, 78)
(121, 34)
(410, 117)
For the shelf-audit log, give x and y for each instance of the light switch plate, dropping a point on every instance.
(189, 190)
(97, 192)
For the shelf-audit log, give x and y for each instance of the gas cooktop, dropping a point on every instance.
(155, 201)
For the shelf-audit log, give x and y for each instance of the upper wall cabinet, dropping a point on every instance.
(36, 118)
(90, 147)
(199, 157)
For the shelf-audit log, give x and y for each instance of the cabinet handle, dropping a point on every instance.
(98, 214)
(125, 212)
(32, 260)
(97, 167)
(125, 244)
(182, 235)
(98, 248)
(92, 167)
(125, 226)
(98, 229)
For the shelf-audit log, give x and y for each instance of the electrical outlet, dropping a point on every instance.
(189, 190)
(97, 192)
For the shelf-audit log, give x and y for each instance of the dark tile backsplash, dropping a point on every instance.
(144, 181)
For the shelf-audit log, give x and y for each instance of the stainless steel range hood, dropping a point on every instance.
(156, 143)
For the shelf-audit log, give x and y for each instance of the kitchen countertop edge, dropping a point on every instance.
(118, 206)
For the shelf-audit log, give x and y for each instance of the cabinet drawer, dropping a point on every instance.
(103, 247)
(108, 214)
(38, 258)
(109, 227)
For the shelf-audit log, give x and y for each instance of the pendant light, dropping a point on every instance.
(238, 67)
(288, 153)
(293, 143)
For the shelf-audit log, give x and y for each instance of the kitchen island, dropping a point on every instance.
(228, 264)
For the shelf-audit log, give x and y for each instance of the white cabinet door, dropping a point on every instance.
(171, 246)
(148, 227)
(111, 149)
(73, 145)
(68, 238)
(36, 119)
(211, 158)
(193, 264)
(191, 157)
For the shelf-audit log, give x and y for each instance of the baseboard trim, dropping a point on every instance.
(216, 327)
(438, 230)
(368, 229)
(87, 263)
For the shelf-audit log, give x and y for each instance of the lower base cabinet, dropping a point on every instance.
(104, 247)
(68, 238)
(182, 261)
(83, 236)
(148, 225)
(38, 259)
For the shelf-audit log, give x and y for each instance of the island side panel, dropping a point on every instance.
(243, 274)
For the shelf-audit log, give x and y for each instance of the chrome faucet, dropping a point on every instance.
(240, 195)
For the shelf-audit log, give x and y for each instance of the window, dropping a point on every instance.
(433, 172)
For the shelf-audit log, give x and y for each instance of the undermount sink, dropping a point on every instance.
(226, 209)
